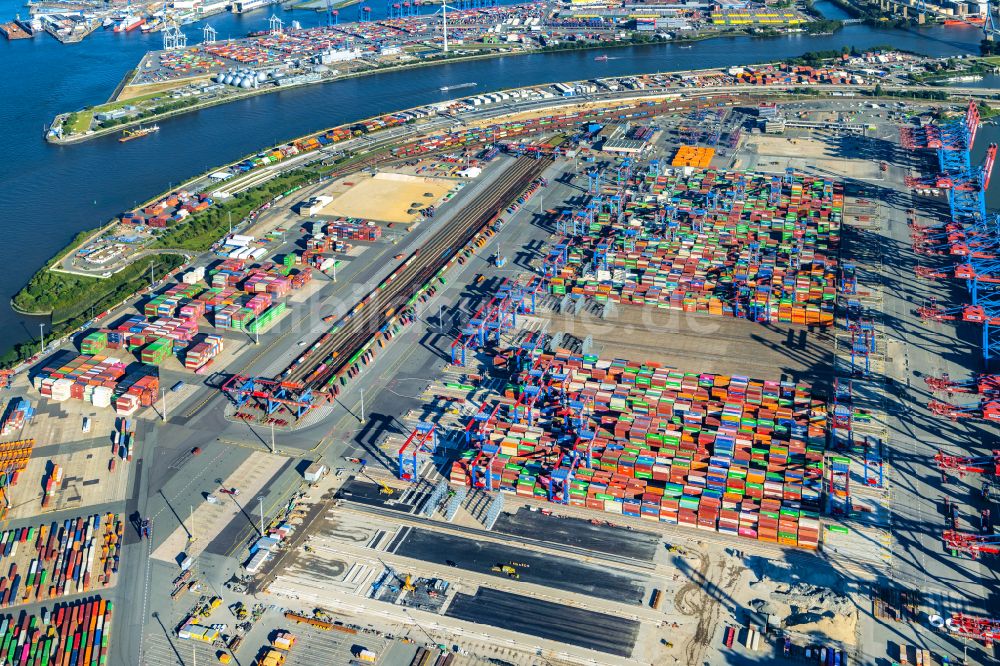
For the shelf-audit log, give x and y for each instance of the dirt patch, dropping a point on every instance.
(389, 197)
(131, 92)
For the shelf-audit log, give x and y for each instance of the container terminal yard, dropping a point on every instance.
(645, 380)
(180, 76)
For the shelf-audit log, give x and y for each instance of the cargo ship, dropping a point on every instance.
(128, 135)
(129, 23)
(969, 20)
(244, 6)
(13, 30)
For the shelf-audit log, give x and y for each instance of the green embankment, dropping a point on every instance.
(73, 299)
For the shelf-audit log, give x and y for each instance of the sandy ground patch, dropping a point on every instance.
(133, 91)
(86, 482)
(210, 519)
(387, 197)
(782, 146)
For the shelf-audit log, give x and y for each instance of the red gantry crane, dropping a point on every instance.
(983, 384)
(988, 410)
(970, 544)
(978, 628)
(962, 465)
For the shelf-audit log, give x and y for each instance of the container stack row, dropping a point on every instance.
(491, 134)
(172, 208)
(693, 156)
(54, 560)
(198, 357)
(140, 390)
(14, 457)
(90, 378)
(73, 634)
(724, 243)
(18, 412)
(265, 320)
(351, 229)
(721, 453)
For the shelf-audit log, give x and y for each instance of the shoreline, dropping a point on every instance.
(83, 237)
(80, 138)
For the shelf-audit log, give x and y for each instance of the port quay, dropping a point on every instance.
(689, 367)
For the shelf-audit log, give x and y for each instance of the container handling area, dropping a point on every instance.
(634, 382)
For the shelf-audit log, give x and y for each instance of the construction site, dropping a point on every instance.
(631, 384)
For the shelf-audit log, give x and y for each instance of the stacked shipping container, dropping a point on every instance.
(78, 634)
(727, 454)
(201, 354)
(14, 457)
(90, 378)
(18, 412)
(72, 558)
(726, 243)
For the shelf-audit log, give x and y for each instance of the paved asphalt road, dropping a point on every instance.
(597, 631)
(549, 570)
(577, 532)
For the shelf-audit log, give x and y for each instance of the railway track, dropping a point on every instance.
(338, 348)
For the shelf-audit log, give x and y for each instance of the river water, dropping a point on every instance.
(50, 193)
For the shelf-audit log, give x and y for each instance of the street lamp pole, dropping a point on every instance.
(41, 334)
(163, 394)
(272, 437)
(260, 500)
(362, 405)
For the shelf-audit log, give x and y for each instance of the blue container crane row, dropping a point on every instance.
(496, 316)
(268, 396)
(966, 188)
(970, 233)
(539, 395)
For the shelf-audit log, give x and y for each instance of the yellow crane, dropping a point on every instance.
(383, 487)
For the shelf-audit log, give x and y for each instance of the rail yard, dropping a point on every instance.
(645, 380)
